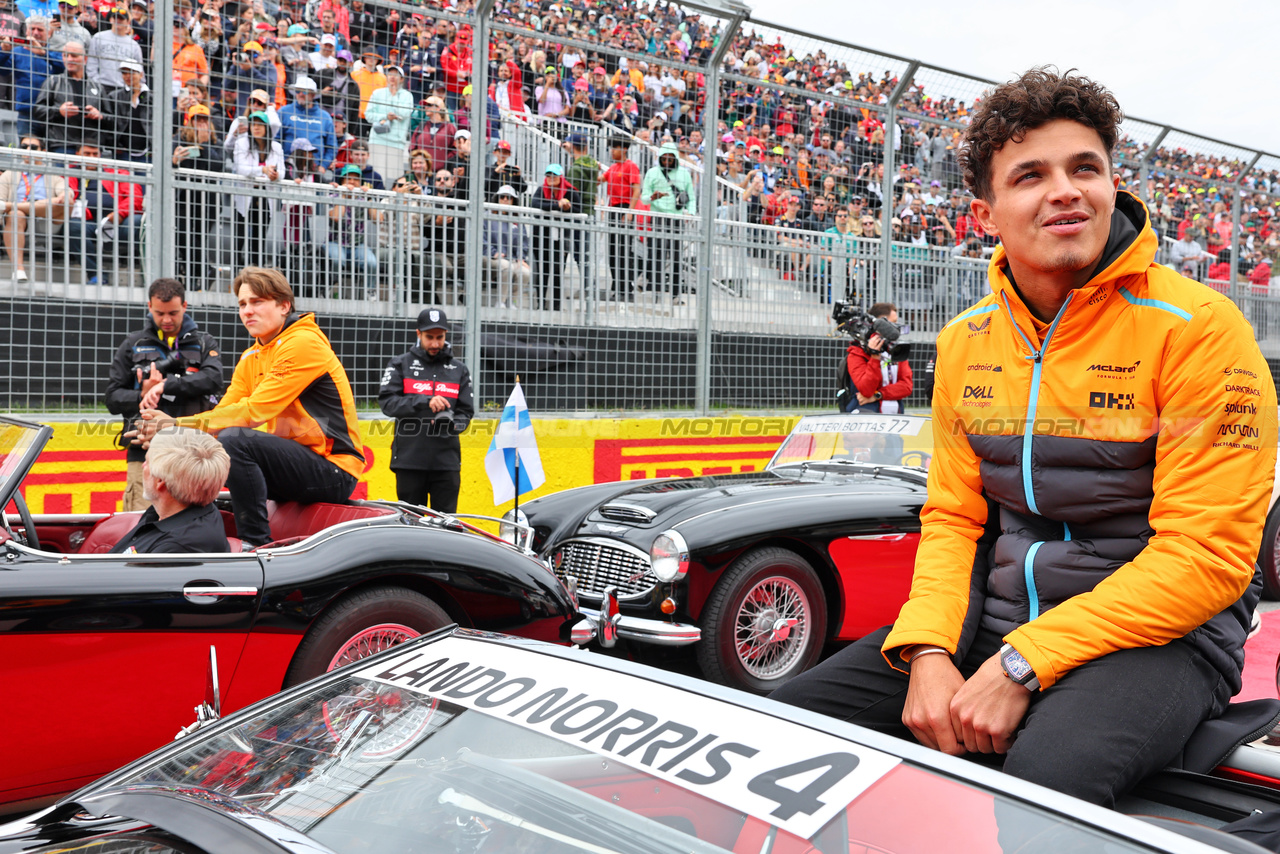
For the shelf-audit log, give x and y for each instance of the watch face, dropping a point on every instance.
(1016, 666)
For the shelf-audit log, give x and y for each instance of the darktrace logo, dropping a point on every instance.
(1243, 389)
(995, 369)
(1108, 400)
(1099, 368)
(983, 328)
(979, 392)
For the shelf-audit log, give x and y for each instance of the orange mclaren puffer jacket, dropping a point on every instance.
(295, 387)
(1099, 482)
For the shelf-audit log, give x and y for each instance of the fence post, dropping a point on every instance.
(707, 223)
(475, 201)
(162, 215)
(1144, 165)
(892, 137)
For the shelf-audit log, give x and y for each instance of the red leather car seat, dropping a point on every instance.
(112, 529)
(291, 519)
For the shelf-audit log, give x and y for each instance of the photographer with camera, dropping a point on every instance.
(170, 365)
(428, 392)
(875, 376)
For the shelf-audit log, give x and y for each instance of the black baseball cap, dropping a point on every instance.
(432, 318)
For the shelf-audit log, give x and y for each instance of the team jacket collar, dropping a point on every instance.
(295, 319)
(188, 326)
(1129, 252)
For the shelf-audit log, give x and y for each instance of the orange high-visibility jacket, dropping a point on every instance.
(295, 387)
(1100, 482)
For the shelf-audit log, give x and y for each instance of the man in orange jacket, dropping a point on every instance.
(1105, 441)
(291, 384)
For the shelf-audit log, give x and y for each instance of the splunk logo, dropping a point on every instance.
(1107, 400)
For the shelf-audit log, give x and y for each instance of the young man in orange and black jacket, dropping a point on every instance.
(1105, 441)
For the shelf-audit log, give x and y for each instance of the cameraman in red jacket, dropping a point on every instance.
(880, 384)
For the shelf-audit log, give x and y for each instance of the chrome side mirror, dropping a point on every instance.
(210, 710)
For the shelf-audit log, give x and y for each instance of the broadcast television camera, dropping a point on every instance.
(859, 325)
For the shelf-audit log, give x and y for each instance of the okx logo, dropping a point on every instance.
(1107, 400)
(978, 392)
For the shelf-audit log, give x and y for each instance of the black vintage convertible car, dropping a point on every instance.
(100, 654)
(755, 571)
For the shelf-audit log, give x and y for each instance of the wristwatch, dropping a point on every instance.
(1017, 668)
(879, 395)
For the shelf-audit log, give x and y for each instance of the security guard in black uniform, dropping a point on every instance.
(429, 394)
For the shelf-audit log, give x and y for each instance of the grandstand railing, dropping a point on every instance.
(677, 313)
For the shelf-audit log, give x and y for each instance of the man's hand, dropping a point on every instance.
(865, 398)
(93, 113)
(68, 109)
(151, 399)
(154, 378)
(987, 710)
(149, 423)
(934, 684)
(438, 403)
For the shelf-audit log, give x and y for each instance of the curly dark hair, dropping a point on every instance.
(1036, 98)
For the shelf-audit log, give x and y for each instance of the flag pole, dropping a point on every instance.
(515, 512)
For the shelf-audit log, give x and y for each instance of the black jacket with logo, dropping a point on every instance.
(422, 443)
(192, 386)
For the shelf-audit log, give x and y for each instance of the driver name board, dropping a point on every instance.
(861, 424)
(788, 775)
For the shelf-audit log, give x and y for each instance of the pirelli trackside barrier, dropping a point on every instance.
(82, 470)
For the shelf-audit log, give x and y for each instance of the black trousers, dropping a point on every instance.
(622, 261)
(664, 248)
(251, 233)
(435, 489)
(548, 266)
(265, 466)
(1095, 734)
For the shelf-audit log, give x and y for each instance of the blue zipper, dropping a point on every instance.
(1037, 357)
(1029, 576)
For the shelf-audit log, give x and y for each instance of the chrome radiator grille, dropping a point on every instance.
(600, 563)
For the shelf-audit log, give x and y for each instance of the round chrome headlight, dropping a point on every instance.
(510, 532)
(669, 556)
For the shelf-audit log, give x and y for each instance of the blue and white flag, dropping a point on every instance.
(513, 438)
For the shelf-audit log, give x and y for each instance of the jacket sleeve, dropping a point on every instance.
(863, 370)
(377, 108)
(392, 400)
(464, 408)
(45, 110)
(123, 393)
(205, 380)
(951, 523)
(901, 388)
(542, 202)
(1212, 482)
(299, 361)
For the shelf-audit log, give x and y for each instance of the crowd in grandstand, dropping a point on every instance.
(360, 98)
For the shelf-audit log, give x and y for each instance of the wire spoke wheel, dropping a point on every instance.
(771, 627)
(372, 640)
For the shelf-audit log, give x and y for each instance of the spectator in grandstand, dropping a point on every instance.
(29, 65)
(303, 119)
(94, 203)
(455, 67)
(368, 27)
(507, 91)
(189, 60)
(258, 157)
(325, 56)
(352, 236)
(69, 105)
(431, 43)
(247, 76)
(197, 209)
(369, 78)
(436, 135)
(130, 110)
(556, 197)
(334, 22)
(507, 253)
(839, 271)
(583, 175)
(109, 48)
(67, 27)
(258, 101)
(421, 170)
(339, 93)
(668, 189)
(402, 236)
(30, 201)
(550, 97)
(358, 155)
(448, 242)
(580, 108)
(1187, 255)
(504, 172)
(622, 113)
(388, 113)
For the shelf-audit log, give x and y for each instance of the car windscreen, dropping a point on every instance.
(20, 443)
(461, 746)
(874, 439)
